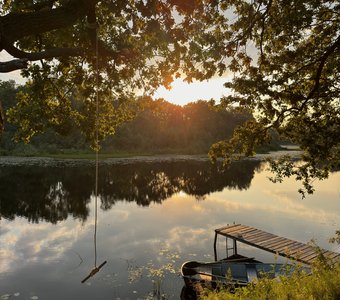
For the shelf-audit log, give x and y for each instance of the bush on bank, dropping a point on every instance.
(323, 283)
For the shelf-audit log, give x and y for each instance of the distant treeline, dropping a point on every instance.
(163, 127)
(160, 127)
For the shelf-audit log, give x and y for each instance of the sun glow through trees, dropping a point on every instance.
(183, 93)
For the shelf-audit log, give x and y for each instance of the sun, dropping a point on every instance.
(183, 93)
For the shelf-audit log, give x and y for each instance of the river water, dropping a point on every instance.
(152, 216)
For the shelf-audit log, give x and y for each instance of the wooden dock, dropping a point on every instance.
(301, 252)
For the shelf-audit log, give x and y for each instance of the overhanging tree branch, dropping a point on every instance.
(322, 63)
(12, 65)
(47, 54)
(15, 26)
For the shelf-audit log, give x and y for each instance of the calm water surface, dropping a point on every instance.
(152, 216)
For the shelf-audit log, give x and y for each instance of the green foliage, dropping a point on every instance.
(336, 239)
(163, 127)
(158, 126)
(284, 57)
(290, 81)
(323, 283)
(104, 49)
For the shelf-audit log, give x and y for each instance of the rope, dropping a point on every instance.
(97, 153)
(96, 269)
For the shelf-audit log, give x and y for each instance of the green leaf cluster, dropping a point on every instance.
(286, 71)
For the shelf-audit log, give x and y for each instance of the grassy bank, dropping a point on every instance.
(92, 155)
(324, 283)
(31, 151)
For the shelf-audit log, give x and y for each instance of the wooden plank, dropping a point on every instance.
(247, 231)
(284, 246)
(277, 243)
(255, 234)
(276, 246)
(297, 252)
(231, 232)
(260, 237)
(273, 243)
(255, 239)
(296, 247)
(333, 255)
(310, 257)
(241, 232)
(291, 247)
(336, 258)
(307, 253)
(227, 226)
(232, 229)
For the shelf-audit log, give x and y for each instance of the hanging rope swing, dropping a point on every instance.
(96, 269)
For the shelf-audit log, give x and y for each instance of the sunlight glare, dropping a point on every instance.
(183, 93)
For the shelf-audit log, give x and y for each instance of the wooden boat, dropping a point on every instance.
(236, 271)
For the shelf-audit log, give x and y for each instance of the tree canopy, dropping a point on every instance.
(283, 55)
(140, 45)
(293, 86)
(158, 127)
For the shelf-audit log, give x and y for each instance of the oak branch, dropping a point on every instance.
(38, 20)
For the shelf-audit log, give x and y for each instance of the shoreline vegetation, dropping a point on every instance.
(91, 155)
(323, 283)
(157, 128)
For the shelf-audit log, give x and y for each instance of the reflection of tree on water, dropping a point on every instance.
(44, 193)
(53, 193)
(144, 183)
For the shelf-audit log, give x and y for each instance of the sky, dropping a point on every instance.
(180, 94)
(183, 93)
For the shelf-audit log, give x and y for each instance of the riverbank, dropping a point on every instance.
(323, 283)
(89, 158)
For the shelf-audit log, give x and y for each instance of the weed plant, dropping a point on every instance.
(323, 283)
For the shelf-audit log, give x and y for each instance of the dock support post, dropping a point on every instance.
(215, 251)
(235, 247)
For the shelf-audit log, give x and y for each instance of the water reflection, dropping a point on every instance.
(156, 223)
(53, 193)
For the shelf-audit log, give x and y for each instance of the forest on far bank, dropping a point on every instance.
(158, 127)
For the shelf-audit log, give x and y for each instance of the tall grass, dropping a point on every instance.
(323, 283)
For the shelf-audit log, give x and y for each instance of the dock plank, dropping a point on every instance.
(300, 249)
(272, 241)
(283, 246)
(278, 244)
(260, 236)
(275, 244)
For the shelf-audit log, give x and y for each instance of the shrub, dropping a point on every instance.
(323, 283)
